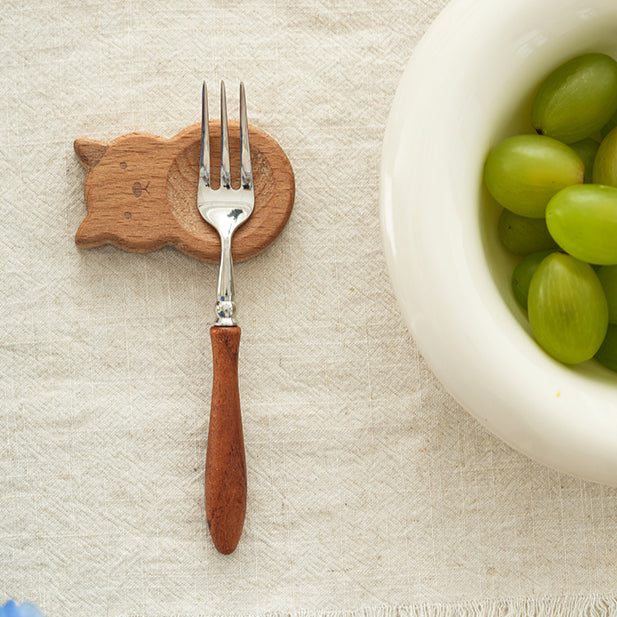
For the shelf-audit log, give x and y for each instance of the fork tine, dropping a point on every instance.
(225, 169)
(246, 172)
(204, 159)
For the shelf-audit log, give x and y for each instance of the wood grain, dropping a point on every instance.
(141, 192)
(225, 459)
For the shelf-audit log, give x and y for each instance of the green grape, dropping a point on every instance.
(567, 309)
(522, 235)
(587, 149)
(583, 221)
(608, 278)
(605, 165)
(607, 354)
(523, 172)
(609, 126)
(577, 99)
(521, 277)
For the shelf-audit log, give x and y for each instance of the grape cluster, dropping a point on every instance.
(558, 189)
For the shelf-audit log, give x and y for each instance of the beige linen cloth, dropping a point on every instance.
(371, 492)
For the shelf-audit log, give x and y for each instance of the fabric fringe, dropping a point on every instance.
(549, 606)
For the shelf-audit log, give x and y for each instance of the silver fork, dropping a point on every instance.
(225, 209)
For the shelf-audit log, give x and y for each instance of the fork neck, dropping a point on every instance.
(225, 305)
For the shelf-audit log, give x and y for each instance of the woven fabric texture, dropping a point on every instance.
(370, 490)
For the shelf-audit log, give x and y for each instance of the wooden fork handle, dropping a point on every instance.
(225, 461)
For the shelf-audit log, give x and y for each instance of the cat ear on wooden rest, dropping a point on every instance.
(90, 151)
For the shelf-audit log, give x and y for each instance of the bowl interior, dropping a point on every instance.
(514, 119)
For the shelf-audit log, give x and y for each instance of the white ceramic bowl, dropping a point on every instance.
(468, 85)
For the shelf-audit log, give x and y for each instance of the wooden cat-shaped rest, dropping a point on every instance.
(141, 193)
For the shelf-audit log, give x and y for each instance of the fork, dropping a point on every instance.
(225, 209)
